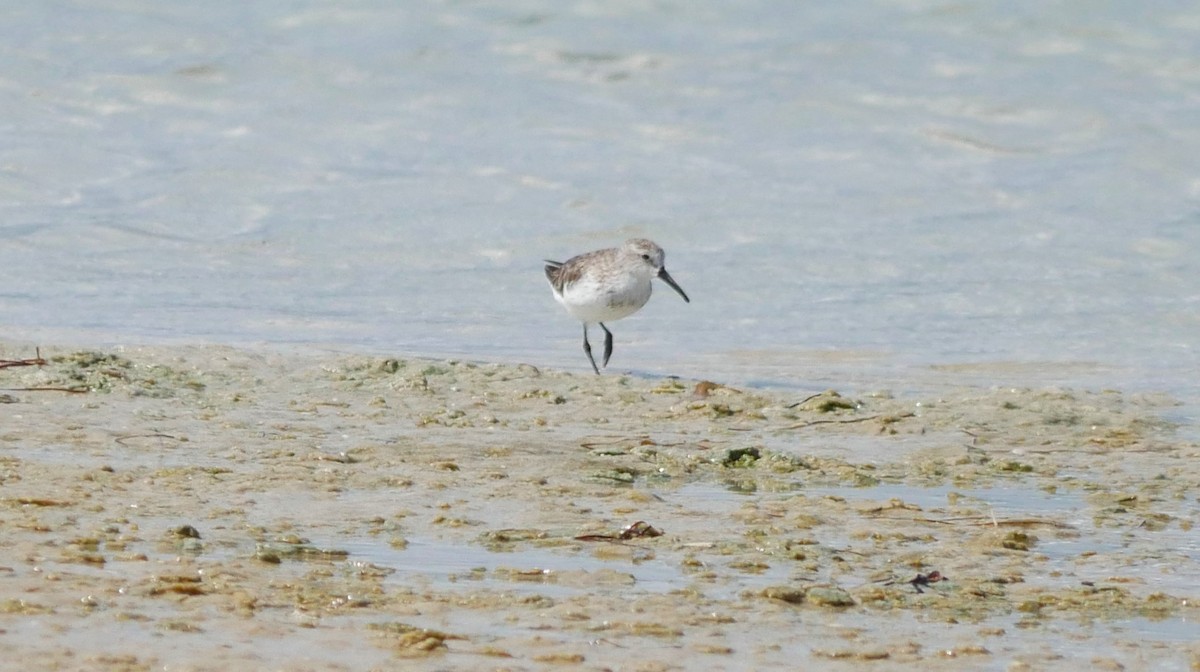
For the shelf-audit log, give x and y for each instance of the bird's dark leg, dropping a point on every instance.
(607, 344)
(587, 348)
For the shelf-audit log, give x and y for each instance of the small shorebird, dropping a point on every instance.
(607, 285)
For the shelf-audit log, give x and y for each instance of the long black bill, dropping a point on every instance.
(666, 277)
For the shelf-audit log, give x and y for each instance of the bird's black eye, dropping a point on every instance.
(646, 257)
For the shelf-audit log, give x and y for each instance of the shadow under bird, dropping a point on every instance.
(607, 285)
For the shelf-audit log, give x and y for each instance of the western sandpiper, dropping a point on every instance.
(607, 285)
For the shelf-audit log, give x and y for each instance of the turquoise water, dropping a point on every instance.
(849, 193)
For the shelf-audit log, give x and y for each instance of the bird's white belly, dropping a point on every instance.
(596, 302)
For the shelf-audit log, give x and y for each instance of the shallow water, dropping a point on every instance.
(849, 193)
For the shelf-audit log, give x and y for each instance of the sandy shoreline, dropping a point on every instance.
(215, 508)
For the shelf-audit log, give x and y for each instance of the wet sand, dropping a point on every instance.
(206, 508)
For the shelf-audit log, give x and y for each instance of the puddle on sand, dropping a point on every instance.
(466, 566)
(448, 566)
(1165, 558)
(444, 564)
(554, 573)
(441, 564)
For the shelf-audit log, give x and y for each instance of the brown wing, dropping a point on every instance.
(561, 274)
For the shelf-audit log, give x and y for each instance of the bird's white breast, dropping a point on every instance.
(590, 300)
